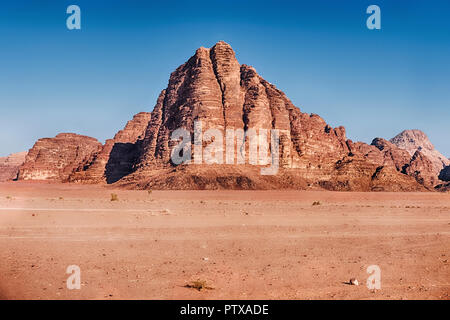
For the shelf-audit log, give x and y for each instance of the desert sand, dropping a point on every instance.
(242, 244)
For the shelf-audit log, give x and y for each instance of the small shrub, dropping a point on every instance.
(198, 285)
(149, 191)
(114, 197)
(316, 203)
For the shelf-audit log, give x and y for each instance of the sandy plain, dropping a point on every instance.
(242, 244)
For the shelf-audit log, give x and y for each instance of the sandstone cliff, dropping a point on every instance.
(57, 158)
(416, 140)
(213, 91)
(117, 157)
(413, 154)
(9, 166)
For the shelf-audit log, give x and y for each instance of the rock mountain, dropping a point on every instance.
(213, 89)
(418, 145)
(9, 166)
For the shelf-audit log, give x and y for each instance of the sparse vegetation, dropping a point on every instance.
(149, 191)
(198, 285)
(61, 198)
(316, 203)
(9, 197)
(114, 197)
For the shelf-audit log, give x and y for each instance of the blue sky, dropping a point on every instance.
(320, 53)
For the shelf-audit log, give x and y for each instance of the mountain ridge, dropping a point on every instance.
(212, 89)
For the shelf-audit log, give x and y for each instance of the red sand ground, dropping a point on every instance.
(244, 244)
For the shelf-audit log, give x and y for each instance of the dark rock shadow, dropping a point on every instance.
(444, 175)
(122, 158)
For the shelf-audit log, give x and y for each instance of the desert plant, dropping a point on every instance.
(316, 203)
(114, 197)
(198, 285)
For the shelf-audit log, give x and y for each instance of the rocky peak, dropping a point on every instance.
(392, 154)
(14, 158)
(416, 140)
(411, 140)
(134, 129)
(9, 166)
(421, 168)
(57, 158)
(212, 87)
(117, 156)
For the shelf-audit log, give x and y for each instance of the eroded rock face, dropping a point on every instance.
(392, 154)
(390, 180)
(416, 140)
(57, 158)
(9, 166)
(117, 157)
(421, 168)
(214, 89)
(419, 165)
(413, 154)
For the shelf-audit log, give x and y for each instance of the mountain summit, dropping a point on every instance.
(416, 140)
(212, 100)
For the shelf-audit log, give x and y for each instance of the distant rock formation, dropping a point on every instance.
(413, 154)
(416, 140)
(57, 158)
(117, 157)
(421, 168)
(212, 89)
(9, 166)
(392, 154)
